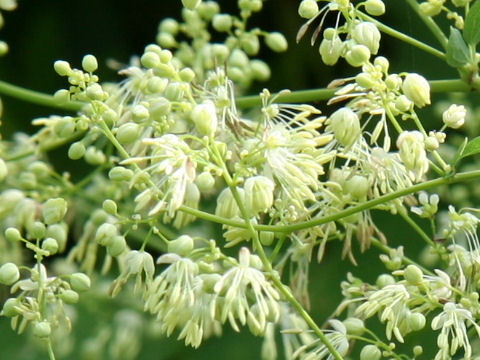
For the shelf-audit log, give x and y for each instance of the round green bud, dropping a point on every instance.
(256, 5)
(128, 133)
(238, 58)
(165, 39)
(165, 56)
(94, 156)
(416, 321)
(267, 237)
(258, 194)
(160, 107)
(250, 43)
(308, 9)
(276, 41)
(382, 62)
(110, 117)
(226, 205)
(140, 113)
(236, 74)
(222, 22)
(346, 126)
(181, 246)
(205, 181)
(374, 7)
(173, 92)
(117, 246)
(370, 352)
(357, 186)
(110, 207)
(413, 274)
(357, 55)
(65, 127)
(417, 350)
(9, 273)
(220, 52)
(59, 233)
(50, 245)
(204, 117)
(95, 92)
(260, 70)
(61, 96)
(366, 33)
(80, 282)
(10, 307)
(354, 326)
(39, 168)
(76, 150)
(150, 59)
(384, 280)
(37, 230)
(89, 63)
(42, 329)
(169, 25)
(417, 89)
(69, 297)
(393, 81)
(98, 217)
(191, 4)
(156, 85)
(119, 173)
(105, 234)
(365, 80)
(13, 234)
(187, 74)
(62, 68)
(403, 104)
(208, 9)
(3, 48)
(330, 50)
(53, 210)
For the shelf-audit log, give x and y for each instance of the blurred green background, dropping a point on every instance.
(42, 31)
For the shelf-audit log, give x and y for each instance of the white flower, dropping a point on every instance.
(454, 116)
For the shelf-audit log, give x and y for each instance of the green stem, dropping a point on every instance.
(417, 228)
(51, 354)
(401, 36)
(430, 23)
(460, 177)
(37, 97)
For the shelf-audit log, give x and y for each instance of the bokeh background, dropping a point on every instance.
(42, 31)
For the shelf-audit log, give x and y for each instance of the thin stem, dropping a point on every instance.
(51, 354)
(417, 228)
(37, 97)
(430, 23)
(401, 36)
(460, 177)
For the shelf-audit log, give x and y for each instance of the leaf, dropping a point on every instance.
(472, 148)
(471, 29)
(457, 50)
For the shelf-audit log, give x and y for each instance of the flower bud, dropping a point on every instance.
(226, 205)
(105, 234)
(250, 43)
(110, 207)
(9, 273)
(36, 230)
(276, 41)
(384, 280)
(308, 9)
(345, 125)
(117, 246)
(205, 118)
(169, 25)
(416, 321)
(222, 22)
(10, 307)
(260, 70)
(205, 181)
(94, 156)
(53, 210)
(357, 55)
(393, 82)
(80, 282)
(95, 92)
(365, 80)
(403, 103)
(413, 274)
(62, 68)
(417, 89)
(181, 246)
(42, 329)
(191, 4)
(374, 7)
(417, 350)
(69, 297)
(366, 33)
(357, 186)
(258, 194)
(119, 173)
(13, 234)
(431, 143)
(354, 326)
(61, 96)
(267, 237)
(370, 352)
(454, 116)
(431, 8)
(330, 50)
(412, 153)
(150, 60)
(50, 245)
(89, 63)
(76, 150)
(128, 133)
(186, 74)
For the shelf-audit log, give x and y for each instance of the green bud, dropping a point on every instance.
(374, 7)
(94, 156)
(165, 39)
(105, 234)
(366, 33)
(150, 60)
(50, 245)
(42, 329)
(413, 274)
(36, 230)
(3, 48)
(384, 280)
(417, 89)
(330, 50)
(191, 4)
(165, 56)
(181, 246)
(205, 118)
(10, 307)
(110, 207)
(119, 173)
(208, 9)
(238, 58)
(393, 82)
(222, 22)
(173, 92)
(128, 133)
(187, 75)
(354, 326)
(65, 127)
(260, 70)
(226, 205)
(76, 150)
(267, 237)
(357, 186)
(9, 274)
(416, 321)
(117, 246)
(345, 125)
(61, 96)
(403, 103)
(276, 41)
(69, 297)
(417, 350)
(250, 44)
(431, 8)
(357, 55)
(169, 25)
(258, 194)
(89, 63)
(160, 107)
(95, 92)
(62, 68)
(53, 210)
(382, 62)
(370, 352)
(80, 282)
(140, 113)
(205, 181)
(308, 9)
(13, 234)
(365, 80)
(59, 233)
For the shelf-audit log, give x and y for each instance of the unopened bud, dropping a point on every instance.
(413, 274)
(357, 55)
(258, 194)
(374, 7)
(89, 63)
(454, 116)
(366, 33)
(308, 9)
(117, 246)
(205, 118)
(50, 245)
(370, 352)
(9, 273)
(417, 89)
(330, 50)
(53, 210)
(42, 329)
(80, 282)
(276, 41)
(181, 246)
(191, 4)
(345, 125)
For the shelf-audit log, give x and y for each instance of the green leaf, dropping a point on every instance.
(472, 148)
(471, 29)
(457, 50)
